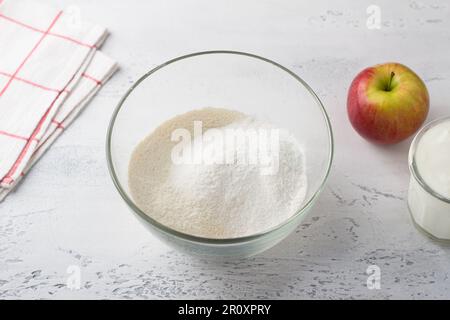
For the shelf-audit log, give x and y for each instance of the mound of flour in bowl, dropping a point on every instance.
(238, 177)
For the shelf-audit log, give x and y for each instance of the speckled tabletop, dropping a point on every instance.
(67, 221)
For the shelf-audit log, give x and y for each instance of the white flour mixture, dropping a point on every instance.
(219, 198)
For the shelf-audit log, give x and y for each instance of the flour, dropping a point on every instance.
(219, 199)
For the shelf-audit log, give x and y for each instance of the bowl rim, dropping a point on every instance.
(204, 240)
(413, 167)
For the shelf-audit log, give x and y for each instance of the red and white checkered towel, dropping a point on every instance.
(49, 70)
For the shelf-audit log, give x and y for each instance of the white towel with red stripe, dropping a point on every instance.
(50, 68)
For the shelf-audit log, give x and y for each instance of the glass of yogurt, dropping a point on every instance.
(429, 189)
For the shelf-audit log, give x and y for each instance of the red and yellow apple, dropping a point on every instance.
(387, 103)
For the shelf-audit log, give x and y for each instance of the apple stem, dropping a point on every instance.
(390, 81)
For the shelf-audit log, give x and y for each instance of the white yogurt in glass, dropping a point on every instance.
(429, 189)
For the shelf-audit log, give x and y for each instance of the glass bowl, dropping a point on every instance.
(428, 208)
(234, 80)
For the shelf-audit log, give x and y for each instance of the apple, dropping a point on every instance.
(387, 103)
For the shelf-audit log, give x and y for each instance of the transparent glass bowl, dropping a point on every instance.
(428, 208)
(227, 79)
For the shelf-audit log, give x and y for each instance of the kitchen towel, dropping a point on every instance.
(49, 70)
(98, 72)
